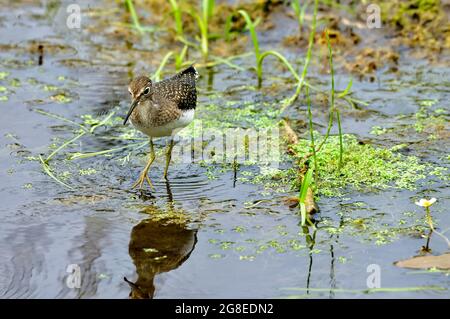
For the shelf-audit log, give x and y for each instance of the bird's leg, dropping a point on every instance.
(168, 156)
(144, 174)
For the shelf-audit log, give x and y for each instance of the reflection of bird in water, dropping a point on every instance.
(158, 246)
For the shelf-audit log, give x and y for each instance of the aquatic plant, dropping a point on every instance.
(301, 80)
(299, 13)
(332, 111)
(135, 19)
(134, 16)
(311, 133)
(425, 203)
(89, 127)
(332, 105)
(306, 183)
(157, 75)
(203, 24)
(179, 62)
(260, 56)
(177, 17)
(180, 57)
(364, 167)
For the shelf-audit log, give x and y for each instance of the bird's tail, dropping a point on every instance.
(191, 70)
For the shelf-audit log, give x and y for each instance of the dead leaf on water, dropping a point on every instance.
(426, 262)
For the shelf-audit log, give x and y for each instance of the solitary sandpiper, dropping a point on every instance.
(162, 109)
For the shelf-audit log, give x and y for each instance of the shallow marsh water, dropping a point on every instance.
(219, 242)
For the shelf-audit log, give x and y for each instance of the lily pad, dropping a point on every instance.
(426, 262)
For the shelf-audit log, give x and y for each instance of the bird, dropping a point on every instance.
(158, 246)
(162, 109)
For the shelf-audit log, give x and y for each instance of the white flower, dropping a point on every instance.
(425, 202)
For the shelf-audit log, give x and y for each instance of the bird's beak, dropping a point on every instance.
(133, 105)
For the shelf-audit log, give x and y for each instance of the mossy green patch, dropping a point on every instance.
(365, 167)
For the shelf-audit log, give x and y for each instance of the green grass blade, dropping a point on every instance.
(157, 75)
(75, 156)
(306, 183)
(59, 117)
(179, 58)
(47, 170)
(253, 35)
(302, 14)
(338, 117)
(134, 15)
(341, 139)
(281, 58)
(311, 134)
(227, 30)
(227, 62)
(302, 80)
(102, 122)
(347, 89)
(208, 9)
(63, 146)
(177, 17)
(203, 33)
(303, 213)
(330, 56)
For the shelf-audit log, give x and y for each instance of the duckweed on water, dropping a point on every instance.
(430, 121)
(365, 167)
(61, 98)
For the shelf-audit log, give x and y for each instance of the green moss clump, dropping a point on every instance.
(365, 167)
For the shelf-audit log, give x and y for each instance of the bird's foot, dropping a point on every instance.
(141, 180)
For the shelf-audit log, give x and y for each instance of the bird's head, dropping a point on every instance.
(139, 88)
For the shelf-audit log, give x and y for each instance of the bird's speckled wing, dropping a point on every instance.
(179, 89)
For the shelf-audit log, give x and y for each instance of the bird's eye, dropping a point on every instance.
(147, 90)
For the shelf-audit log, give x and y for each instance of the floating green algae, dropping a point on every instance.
(365, 167)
